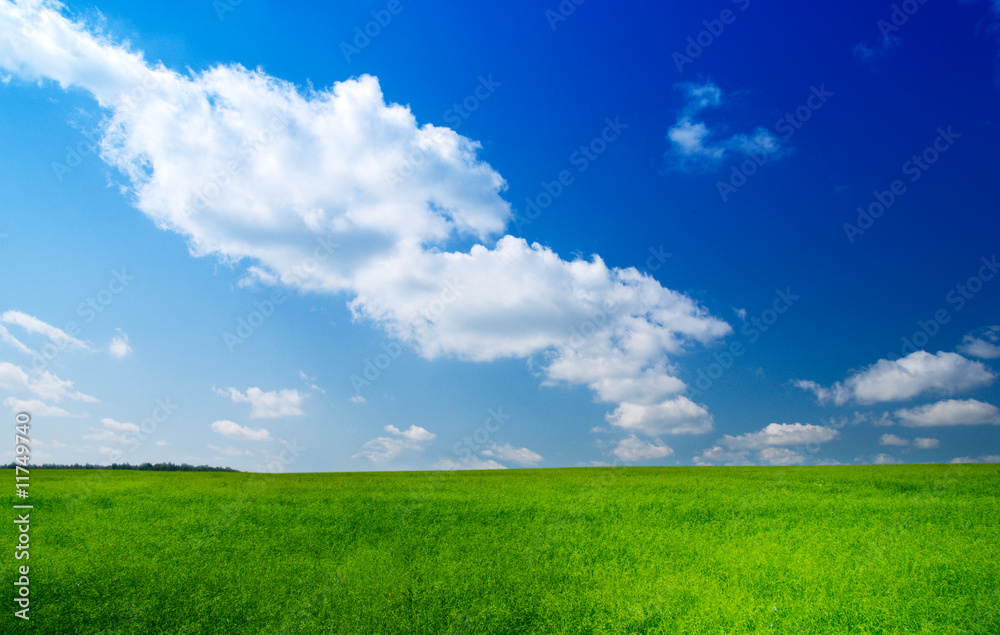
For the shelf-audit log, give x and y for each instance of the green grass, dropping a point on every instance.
(888, 549)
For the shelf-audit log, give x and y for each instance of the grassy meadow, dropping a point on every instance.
(674, 551)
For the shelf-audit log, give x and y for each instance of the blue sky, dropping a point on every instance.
(395, 235)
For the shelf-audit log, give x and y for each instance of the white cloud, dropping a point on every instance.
(317, 200)
(678, 415)
(111, 452)
(311, 382)
(36, 407)
(7, 338)
(161, 443)
(35, 326)
(865, 52)
(383, 449)
(768, 443)
(413, 433)
(111, 424)
(42, 383)
(719, 454)
(119, 347)
(781, 456)
(884, 459)
(267, 405)
(891, 439)
(507, 452)
(917, 373)
(984, 344)
(358, 399)
(468, 463)
(949, 412)
(632, 449)
(693, 144)
(778, 434)
(994, 458)
(923, 443)
(236, 431)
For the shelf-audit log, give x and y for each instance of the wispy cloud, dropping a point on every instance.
(384, 449)
(36, 407)
(233, 430)
(869, 52)
(33, 325)
(694, 145)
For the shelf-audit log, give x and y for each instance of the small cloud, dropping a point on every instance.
(719, 454)
(311, 382)
(507, 452)
(884, 459)
(693, 144)
(780, 434)
(162, 443)
(358, 399)
(233, 430)
(468, 463)
(632, 449)
(984, 343)
(865, 52)
(37, 408)
(677, 415)
(111, 424)
(383, 449)
(922, 443)
(991, 458)
(950, 412)
(266, 405)
(119, 347)
(413, 433)
(781, 456)
(891, 439)
(741, 314)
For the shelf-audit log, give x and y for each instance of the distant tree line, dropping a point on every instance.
(152, 467)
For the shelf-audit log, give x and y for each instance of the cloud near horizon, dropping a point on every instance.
(911, 376)
(770, 444)
(336, 191)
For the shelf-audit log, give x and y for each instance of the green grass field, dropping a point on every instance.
(888, 549)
